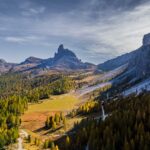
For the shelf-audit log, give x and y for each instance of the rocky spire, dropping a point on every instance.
(60, 48)
(62, 52)
(146, 39)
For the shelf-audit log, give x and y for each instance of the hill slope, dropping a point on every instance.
(5, 66)
(137, 62)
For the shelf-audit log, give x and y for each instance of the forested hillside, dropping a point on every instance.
(10, 110)
(127, 127)
(16, 91)
(34, 88)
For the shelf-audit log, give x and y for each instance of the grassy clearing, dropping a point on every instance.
(34, 119)
(46, 134)
(64, 102)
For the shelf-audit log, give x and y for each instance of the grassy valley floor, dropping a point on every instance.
(33, 121)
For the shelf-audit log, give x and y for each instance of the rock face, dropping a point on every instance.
(141, 61)
(138, 62)
(146, 39)
(63, 53)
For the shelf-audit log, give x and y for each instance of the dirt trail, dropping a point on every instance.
(23, 134)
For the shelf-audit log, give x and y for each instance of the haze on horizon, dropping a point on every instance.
(96, 30)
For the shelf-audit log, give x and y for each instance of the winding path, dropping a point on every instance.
(23, 134)
(20, 145)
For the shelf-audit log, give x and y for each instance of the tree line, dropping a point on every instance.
(34, 89)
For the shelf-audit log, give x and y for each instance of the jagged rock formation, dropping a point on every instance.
(66, 59)
(146, 39)
(63, 60)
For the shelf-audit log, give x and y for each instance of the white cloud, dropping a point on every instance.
(116, 34)
(109, 34)
(24, 39)
(29, 9)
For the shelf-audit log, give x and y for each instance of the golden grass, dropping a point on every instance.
(64, 102)
(33, 121)
(35, 117)
(31, 146)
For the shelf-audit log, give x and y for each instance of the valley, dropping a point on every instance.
(61, 103)
(74, 75)
(33, 121)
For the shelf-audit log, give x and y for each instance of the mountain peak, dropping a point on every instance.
(2, 61)
(61, 47)
(64, 59)
(146, 39)
(32, 60)
(62, 52)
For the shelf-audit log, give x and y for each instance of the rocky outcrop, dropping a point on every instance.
(146, 39)
(64, 53)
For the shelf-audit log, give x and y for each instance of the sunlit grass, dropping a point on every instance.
(56, 103)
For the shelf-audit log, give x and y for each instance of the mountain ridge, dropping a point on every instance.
(63, 60)
(138, 63)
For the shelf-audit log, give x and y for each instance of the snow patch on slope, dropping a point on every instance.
(137, 89)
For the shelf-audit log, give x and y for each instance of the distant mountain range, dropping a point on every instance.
(137, 62)
(63, 60)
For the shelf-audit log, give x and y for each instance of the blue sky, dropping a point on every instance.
(96, 30)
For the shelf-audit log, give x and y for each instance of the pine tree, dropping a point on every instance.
(46, 144)
(29, 138)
